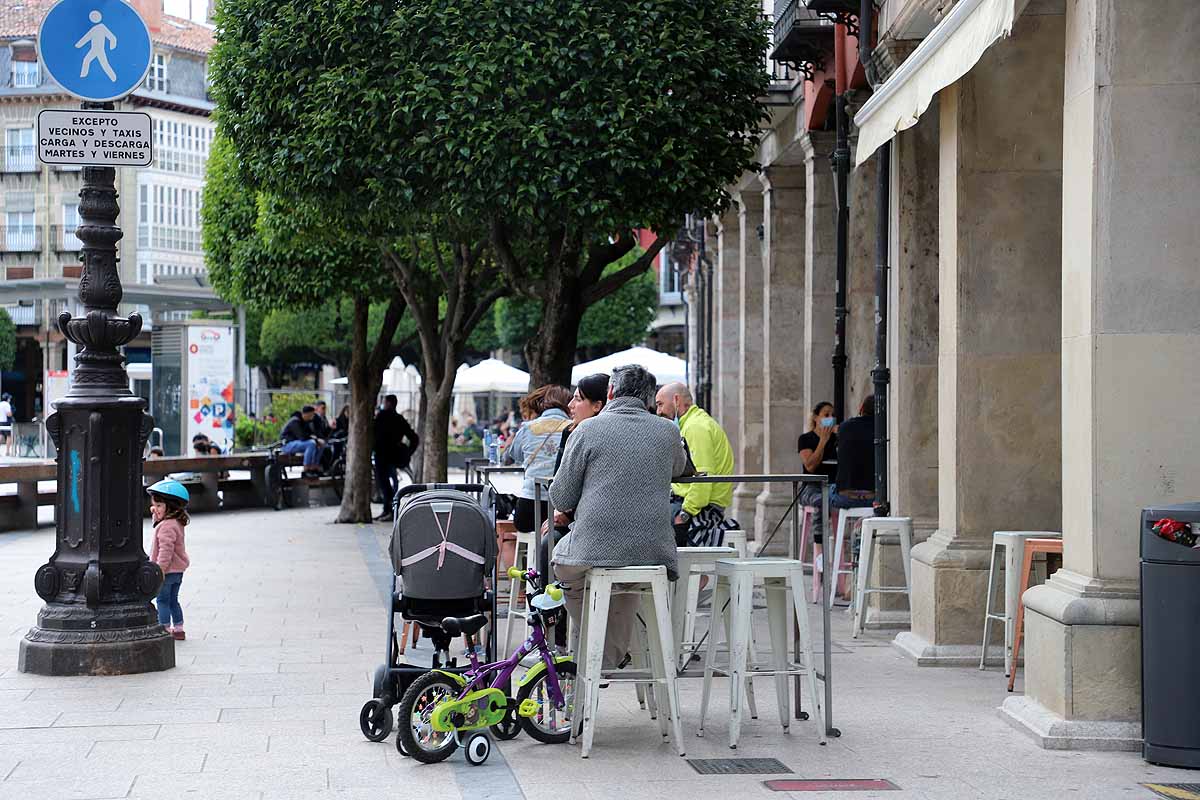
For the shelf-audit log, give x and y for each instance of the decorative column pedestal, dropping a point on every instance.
(98, 619)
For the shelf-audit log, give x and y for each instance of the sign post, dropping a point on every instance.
(97, 619)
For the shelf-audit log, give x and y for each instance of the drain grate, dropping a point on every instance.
(832, 785)
(1175, 791)
(738, 766)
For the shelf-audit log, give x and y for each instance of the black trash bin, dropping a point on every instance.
(1170, 641)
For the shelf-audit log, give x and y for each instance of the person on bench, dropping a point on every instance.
(298, 437)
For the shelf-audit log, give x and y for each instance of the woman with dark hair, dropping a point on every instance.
(817, 447)
(591, 395)
(535, 446)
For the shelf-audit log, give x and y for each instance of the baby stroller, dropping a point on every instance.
(443, 552)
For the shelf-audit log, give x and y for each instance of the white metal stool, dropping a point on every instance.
(845, 517)
(599, 587)
(1013, 544)
(874, 531)
(732, 598)
(737, 540)
(523, 556)
(694, 562)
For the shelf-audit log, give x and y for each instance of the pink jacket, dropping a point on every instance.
(168, 550)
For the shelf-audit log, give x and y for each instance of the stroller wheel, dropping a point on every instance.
(375, 720)
(479, 747)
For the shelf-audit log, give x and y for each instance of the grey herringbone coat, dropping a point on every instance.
(616, 475)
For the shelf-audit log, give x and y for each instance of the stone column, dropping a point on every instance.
(783, 335)
(820, 268)
(726, 350)
(999, 436)
(912, 357)
(860, 281)
(750, 351)
(1130, 340)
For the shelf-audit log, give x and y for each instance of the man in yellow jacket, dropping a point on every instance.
(700, 507)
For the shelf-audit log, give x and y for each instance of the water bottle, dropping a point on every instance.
(494, 451)
(487, 443)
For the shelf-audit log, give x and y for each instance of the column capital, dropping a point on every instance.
(748, 201)
(816, 144)
(782, 178)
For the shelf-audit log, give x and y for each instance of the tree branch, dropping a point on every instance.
(607, 285)
(518, 275)
(383, 345)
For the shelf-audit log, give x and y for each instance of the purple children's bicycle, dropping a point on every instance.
(441, 711)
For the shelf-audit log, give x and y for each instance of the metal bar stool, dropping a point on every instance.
(1031, 546)
(1012, 542)
(874, 531)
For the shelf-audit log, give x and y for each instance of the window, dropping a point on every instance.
(670, 280)
(25, 74)
(70, 224)
(18, 150)
(156, 78)
(20, 233)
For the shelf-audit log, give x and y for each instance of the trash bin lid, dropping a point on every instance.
(1157, 549)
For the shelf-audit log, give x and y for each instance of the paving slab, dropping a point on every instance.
(263, 704)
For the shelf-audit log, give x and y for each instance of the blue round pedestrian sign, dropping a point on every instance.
(97, 50)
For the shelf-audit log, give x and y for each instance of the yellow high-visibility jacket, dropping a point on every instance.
(711, 454)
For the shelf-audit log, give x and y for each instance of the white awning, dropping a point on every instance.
(950, 50)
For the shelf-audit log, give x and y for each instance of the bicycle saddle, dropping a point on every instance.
(464, 626)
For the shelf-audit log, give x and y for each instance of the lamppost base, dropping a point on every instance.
(121, 651)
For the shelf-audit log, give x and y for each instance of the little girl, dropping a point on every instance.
(168, 504)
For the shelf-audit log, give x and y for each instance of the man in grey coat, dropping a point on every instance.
(616, 477)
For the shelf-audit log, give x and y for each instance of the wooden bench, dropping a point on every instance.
(209, 492)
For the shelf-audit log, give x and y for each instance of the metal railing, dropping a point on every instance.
(20, 238)
(64, 238)
(25, 315)
(169, 237)
(19, 158)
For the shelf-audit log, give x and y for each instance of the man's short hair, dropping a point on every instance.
(634, 380)
(868, 406)
(322, 404)
(199, 437)
(390, 400)
(307, 410)
(681, 389)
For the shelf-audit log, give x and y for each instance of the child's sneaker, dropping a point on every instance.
(178, 634)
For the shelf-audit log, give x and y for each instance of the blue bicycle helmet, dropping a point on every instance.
(169, 487)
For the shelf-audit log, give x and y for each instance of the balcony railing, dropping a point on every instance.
(802, 38)
(19, 158)
(25, 314)
(20, 238)
(64, 238)
(186, 162)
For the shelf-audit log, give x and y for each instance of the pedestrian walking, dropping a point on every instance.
(168, 509)
(6, 423)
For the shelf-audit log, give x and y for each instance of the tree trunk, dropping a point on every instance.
(551, 352)
(418, 458)
(364, 386)
(436, 429)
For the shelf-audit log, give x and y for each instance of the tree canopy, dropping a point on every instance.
(560, 125)
(8, 341)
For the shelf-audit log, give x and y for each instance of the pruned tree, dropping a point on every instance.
(271, 254)
(8, 341)
(562, 125)
(450, 287)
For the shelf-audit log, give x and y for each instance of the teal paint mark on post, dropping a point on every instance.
(76, 468)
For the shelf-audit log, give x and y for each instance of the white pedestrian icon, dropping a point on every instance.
(98, 37)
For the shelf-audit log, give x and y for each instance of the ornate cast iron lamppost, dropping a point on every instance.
(98, 619)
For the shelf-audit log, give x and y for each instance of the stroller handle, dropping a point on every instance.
(415, 488)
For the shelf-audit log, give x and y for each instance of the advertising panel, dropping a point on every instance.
(210, 410)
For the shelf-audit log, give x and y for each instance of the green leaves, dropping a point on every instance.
(8, 341)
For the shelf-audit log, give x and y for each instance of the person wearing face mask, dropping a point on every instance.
(818, 452)
(699, 507)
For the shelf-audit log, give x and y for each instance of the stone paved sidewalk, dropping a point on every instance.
(285, 625)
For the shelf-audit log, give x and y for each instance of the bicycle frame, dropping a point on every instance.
(504, 670)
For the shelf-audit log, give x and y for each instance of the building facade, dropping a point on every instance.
(160, 205)
(1041, 285)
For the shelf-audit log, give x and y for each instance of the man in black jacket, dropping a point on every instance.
(299, 437)
(855, 486)
(395, 441)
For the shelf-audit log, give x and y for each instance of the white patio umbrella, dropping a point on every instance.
(665, 368)
(491, 376)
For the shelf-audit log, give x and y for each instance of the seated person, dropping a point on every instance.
(298, 437)
(535, 446)
(818, 446)
(615, 478)
(856, 460)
